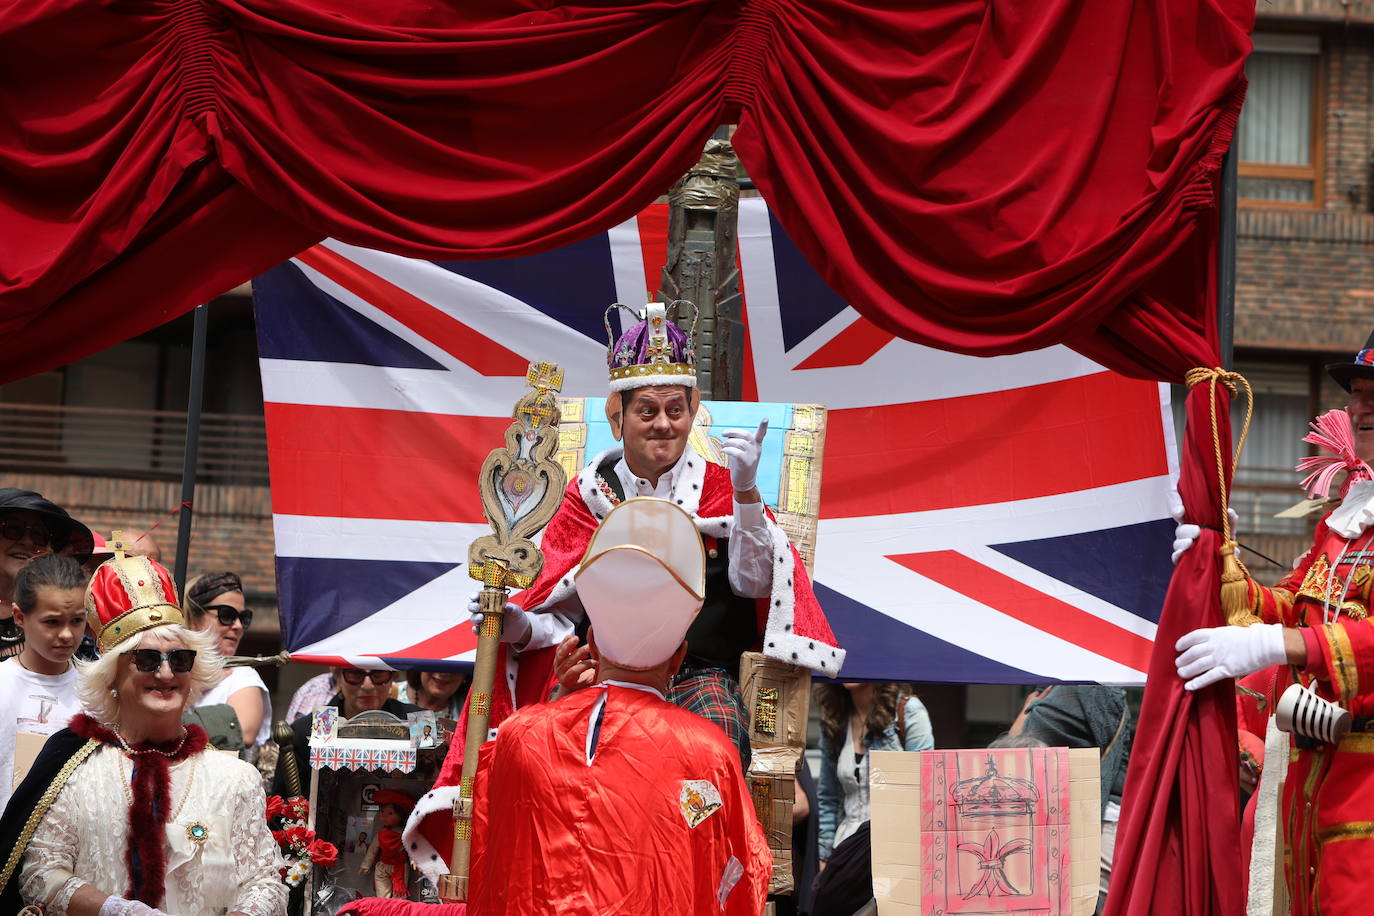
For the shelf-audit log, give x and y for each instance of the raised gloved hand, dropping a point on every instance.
(119, 906)
(744, 449)
(1212, 653)
(515, 623)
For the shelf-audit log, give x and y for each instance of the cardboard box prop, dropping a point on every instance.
(1005, 831)
(778, 698)
(772, 785)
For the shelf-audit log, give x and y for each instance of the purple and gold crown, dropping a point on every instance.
(653, 351)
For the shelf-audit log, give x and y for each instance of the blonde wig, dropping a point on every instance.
(97, 681)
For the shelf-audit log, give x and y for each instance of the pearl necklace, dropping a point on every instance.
(151, 750)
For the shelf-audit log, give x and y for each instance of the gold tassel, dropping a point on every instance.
(1235, 578)
(1235, 591)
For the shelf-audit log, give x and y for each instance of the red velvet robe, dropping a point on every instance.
(650, 826)
(1329, 793)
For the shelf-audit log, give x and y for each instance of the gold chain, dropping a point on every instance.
(129, 796)
(41, 809)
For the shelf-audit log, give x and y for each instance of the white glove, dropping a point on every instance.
(1212, 653)
(119, 906)
(744, 449)
(1185, 535)
(515, 623)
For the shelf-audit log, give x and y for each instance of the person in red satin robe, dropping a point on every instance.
(612, 799)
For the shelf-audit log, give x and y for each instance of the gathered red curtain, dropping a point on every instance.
(984, 176)
(978, 176)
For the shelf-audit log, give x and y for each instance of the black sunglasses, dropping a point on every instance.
(150, 660)
(355, 676)
(15, 531)
(227, 615)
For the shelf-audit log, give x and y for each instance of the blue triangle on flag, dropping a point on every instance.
(298, 320)
(323, 596)
(572, 284)
(1127, 566)
(804, 300)
(881, 648)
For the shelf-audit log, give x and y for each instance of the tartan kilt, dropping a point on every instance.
(713, 694)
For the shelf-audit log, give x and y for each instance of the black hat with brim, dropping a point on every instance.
(70, 537)
(1362, 367)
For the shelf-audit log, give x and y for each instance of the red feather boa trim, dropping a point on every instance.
(146, 857)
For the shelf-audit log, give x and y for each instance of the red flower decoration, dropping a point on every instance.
(298, 808)
(275, 807)
(323, 853)
(298, 837)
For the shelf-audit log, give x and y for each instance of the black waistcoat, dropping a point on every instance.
(727, 625)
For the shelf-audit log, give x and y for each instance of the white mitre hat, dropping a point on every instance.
(642, 581)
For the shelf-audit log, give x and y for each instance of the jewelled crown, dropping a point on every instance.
(128, 595)
(654, 350)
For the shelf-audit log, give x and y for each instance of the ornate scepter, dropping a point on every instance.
(521, 486)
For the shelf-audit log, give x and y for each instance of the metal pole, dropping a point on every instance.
(1226, 260)
(188, 465)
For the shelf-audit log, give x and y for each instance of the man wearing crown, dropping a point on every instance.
(758, 595)
(569, 785)
(127, 812)
(1316, 625)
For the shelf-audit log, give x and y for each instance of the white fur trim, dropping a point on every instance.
(647, 381)
(422, 854)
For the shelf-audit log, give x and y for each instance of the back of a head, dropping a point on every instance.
(642, 582)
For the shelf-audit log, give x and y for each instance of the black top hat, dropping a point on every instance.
(70, 537)
(1362, 367)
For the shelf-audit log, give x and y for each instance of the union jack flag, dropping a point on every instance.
(999, 520)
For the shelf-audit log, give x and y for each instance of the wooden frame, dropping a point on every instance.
(1313, 172)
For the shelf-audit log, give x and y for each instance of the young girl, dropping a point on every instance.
(38, 686)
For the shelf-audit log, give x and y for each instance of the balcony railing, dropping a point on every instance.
(145, 444)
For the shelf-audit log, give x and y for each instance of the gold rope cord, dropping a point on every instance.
(1234, 575)
(44, 803)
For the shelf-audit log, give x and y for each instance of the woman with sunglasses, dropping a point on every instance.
(128, 812)
(215, 606)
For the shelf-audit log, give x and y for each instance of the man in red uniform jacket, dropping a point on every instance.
(1316, 620)
(612, 800)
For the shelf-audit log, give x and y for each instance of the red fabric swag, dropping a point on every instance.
(1178, 838)
(979, 177)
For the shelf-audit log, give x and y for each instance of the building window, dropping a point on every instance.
(1279, 143)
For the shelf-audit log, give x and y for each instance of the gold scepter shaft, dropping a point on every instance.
(521, 486)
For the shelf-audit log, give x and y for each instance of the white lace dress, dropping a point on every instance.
(83, 839)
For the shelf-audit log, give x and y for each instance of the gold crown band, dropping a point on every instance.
(641, 370)
(136, 620)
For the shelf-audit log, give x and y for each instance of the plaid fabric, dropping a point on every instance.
(715, 695)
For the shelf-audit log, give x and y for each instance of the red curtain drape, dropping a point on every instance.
(984, 176)
(979, 176)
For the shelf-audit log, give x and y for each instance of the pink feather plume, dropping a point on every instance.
(1332, 431)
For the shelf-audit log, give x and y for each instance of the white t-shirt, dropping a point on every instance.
(38, 703)
(234, 681)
